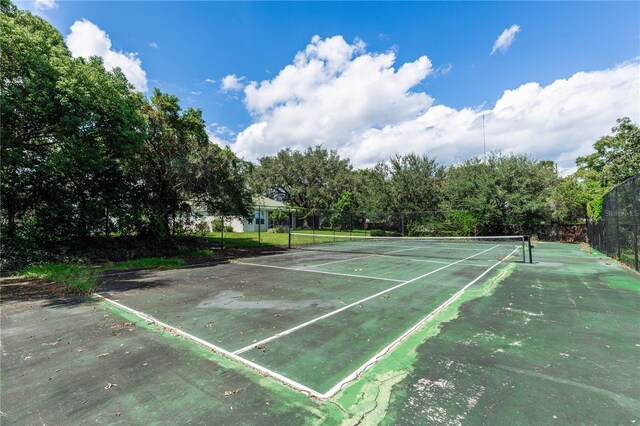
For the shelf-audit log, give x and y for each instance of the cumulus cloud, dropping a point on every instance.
(87, 39)
(331, 93)
(45, 4)
(505, 39)
(231, 83)
(362, 104)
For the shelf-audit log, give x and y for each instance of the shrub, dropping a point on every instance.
(216, 225)
(228, 228)
(377, 233)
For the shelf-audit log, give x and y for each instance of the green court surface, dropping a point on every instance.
(553, 342)
(313, 318)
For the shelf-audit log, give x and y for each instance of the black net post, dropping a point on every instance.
(259, 219)
(222, 232)
(402, 223)
(289, 245)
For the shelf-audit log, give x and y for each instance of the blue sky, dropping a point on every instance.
(181, 45)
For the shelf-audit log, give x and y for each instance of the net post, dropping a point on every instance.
(313, 227)
(259, 228)
(524, 260)
(222, 232)
(530, 250)
(289, 244)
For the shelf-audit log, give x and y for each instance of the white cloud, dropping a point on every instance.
(332, 92)
(45, 4)
(231, 83)
(154, 45)
(87, 39)
(338, 95)
(505, 39)
(210, 81)
(558, 122)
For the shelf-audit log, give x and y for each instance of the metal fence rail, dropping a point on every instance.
(616, 233)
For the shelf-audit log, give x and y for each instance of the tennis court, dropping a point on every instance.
(316, 316)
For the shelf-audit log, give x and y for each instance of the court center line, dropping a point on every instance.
(335, 389)
(293, 384)
(318, 272)
(321, 317)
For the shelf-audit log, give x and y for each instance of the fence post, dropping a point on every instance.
(259, 227)
(402, 220)
(222, 232)
(634, 217)
(616, 214)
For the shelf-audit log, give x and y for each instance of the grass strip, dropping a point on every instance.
(146, 263)
(76, 278)
(82, 279)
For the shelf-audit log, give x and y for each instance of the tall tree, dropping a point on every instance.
(415, 183)
(68, 128)
(313, 179)
(505, 194)
(617, 156)
(172, 139)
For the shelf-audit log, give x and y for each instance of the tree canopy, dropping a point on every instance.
(83, 154)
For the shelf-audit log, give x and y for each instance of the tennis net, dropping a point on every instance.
(490, 248)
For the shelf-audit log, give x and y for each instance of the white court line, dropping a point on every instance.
(318, 272)
(407, 333)
(321, 317)
(295, 385)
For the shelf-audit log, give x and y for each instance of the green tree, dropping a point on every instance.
(415, 183)
(217, 178)
(617, 156)
(172, 140)
(68, 130)
(506, 194)
(311, 179)
(340, 210)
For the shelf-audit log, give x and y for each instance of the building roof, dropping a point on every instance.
(268, 203)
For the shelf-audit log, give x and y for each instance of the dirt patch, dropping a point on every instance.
(22, 288)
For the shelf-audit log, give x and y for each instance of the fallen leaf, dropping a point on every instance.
(232, 392)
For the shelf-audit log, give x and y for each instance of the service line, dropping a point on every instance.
(327, 315)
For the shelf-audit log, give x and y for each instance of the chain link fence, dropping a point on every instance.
(616, 233)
